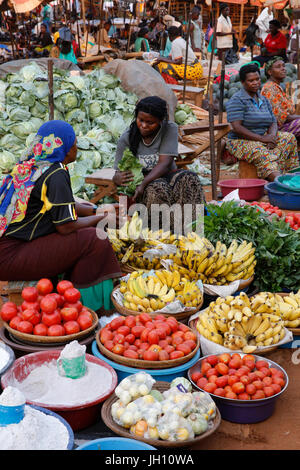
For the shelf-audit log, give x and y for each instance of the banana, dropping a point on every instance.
(249, 349)
(140, 287)
(169, 297)
(222, 325)
(289, 300)
(158, 288)
(153, 304)
(264, 325)
(176, 279)
(163, 290)
(247, 312)
(258, 319)
(150, 286)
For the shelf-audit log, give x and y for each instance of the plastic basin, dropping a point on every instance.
(282, 198)
(250, 189)
(11, 359)
(244, 411)
(283, 179)
(78, 416)
(115, 443)
(167, 375)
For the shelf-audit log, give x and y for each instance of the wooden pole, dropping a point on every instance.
(83, 15)
(241, 22)
(298, 66)
(186, 55)
(100, 24)
(50, 82)
(211, 120)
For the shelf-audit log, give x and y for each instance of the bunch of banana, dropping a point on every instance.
(287, 307)
(234, 323)
(189, 293)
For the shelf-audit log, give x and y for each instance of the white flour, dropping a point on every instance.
(45, 385)
(4, 357)
(73, 349)
(12, 397)
(37, 431)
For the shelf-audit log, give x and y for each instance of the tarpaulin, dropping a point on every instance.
(263, 3)
(22, 6)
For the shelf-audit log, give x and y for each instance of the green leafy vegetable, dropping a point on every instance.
(130, 163)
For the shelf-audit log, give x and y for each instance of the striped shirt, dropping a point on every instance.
(256, 117)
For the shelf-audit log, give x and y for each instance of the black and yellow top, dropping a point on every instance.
(51, 203)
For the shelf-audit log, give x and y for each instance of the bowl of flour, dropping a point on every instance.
(78, 401)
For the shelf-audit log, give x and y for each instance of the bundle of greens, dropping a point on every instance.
(277, 245)
(130, 163)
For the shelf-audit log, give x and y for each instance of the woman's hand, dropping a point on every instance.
(122, 178)
(269, 139)
(138, 192)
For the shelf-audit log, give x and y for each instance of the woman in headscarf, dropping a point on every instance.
(44, 41)
(153, 139)
(282, 104)
(43, 231)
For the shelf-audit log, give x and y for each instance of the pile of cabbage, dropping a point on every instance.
(94, 104)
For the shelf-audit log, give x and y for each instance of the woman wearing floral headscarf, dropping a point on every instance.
(43, 231)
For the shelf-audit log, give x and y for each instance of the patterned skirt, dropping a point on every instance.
(283, 157)
(193, 71)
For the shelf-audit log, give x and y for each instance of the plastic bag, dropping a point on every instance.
(173, 427)
(134, 386)
(177, 402)
(203, 404)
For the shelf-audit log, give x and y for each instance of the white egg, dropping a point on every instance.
(140, 377)
(134, 392)
(125, 397)
(127, 418)
(143, 389)
(118, 390)
(125, 384)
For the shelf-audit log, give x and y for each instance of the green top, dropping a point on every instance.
(138, 45)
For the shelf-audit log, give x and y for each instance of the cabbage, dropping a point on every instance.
(19, 114)
(7, 161)
(38, 110)
(41, 89)
(27, 98)
(130, 163)
(22, 130)
(95, 110)
(184, 114)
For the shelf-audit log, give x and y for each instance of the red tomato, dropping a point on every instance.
(232, 379)
(69, 314)
(40, 329)
(252, 376)
(235, 363)
(258, 384)
(210, 387)
(222, 381)
(244, 396)
(59, 299)
(150, 355)
(225, 358)
(137, 330)
(276, 388)
(163, 355)
(161, 333)
(245, 379)
(220, 392)
(48, 304)
(177, 340)
(250, 389)
(211, 371)
(202, 382)
(32, 316)
(279, 381)
(153, 337)
(138, 342)
(78, 305)
(176, 354)
(8, 311)
(130, 338)
(190, 343)
(105, 335)
(267, 381)
(130, 321)
(261, 363)
(117, 322)
(25, 327)
(205, 366)
(265, 370)
(250, 364)
(133, 347)
(185, 349)
(84, 321)
(150, 325)
(238, 388)
(231, 395)
(118, 349)
(212, 360)
(32, 305)
(109, 344)
(222, 368)
(258, 395)
(44, 286)
(72, 295)
(268, 391)
(144, 317)
(248, 357)
(51, 318)
(195, 376)
(131, 354)
(160, 317)
(169, 348)
(14, 322)
(183, 327)
(189, 335)
(236, 356)
(71, 327)
(241, 371)
(30, 294)
(56, 330)
(62, 286)
(123, 330)
(145, 346)
(119, 339)
(163, 343)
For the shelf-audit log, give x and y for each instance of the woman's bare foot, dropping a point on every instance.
(273, 175)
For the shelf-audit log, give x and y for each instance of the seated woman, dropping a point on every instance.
(254, 136)
(43, 231)
(275, 44)
(174, 66)
(282, 104)
(153, 139)
(103, 32)
(44, 41)
(141, 43)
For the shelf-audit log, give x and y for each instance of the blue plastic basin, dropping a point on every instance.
(282, 198)
(115, 443)
(288, 177)
(167, 375)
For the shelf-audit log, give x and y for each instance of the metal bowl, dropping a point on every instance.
(244, 411)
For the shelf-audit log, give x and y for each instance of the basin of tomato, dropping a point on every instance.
(141, 337)
(46, 312)
(245, 387)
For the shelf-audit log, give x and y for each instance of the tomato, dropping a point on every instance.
(25, 327)
(244, 396)
(123, 330)
(222, 368)
(145, 346)
(241, 371)
(225, 358)
(261, 363)
(88, 314)
(276, 388)
(250, 364)
(150, 355)
(69, 314)
(190, 343)
(195, 376)
(63, 285)
(150, 325)
(252, 376)
(48, 304)
(176, 355)
(245, 379)
(32, 305)
(56, 330)
(232, 379)
(163, 355)
(210, 387)
(235, 363)
(131, 354)
(211, 371)
(267, 381)
(265, 370)
(137, 330)
(258, 384)
(138, 342)
(30, 294)
(109, 344)
(163, 343)
(161, 333)
(117, 322)
(72, 295)
(189, 335)
(118, 349)
(78, 305)
(220, 392)
(177, 340)
(60, 300)
(222, 381)
(44, 286)
(14, 322)
(130, 338)
(40, 329)
(119, 339)
(51, 318)
(160, 317)
(205, 366)
(105, 335)
(259, 374)
(273, 371)
(258, 395)
(183, 327)
(153, 337)
(169, 348)
(178, 334)
(133, 347)
(173, 324)
(268, 391)
(250, 389)
(84, 321)
(212, 360)
(238, 388)
(153, 347)
(144, 317)
(130, 321)
(231, 395)
(31, 315)
(8, 311)
(202, 382)
(279, 381)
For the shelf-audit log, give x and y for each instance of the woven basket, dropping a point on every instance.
(179, 316)
(119, 430)
(31, 338)
(140, 364)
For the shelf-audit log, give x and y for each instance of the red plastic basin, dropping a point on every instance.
(80, 416)
(250, 189)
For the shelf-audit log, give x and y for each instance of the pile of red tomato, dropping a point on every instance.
(237, 377)
(146, 338)
(291, 218)
(44, 312)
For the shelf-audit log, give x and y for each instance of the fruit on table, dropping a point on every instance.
(243, 323)
(153, 339)
(248, 378)
(48, 313)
